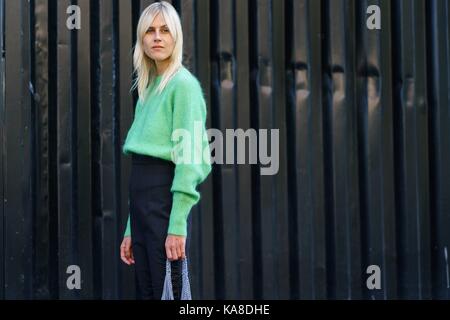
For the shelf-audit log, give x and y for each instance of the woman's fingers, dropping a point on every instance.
(174, 253)
(168, 253)
(168, 250)
(183, 253)
(125, 251)
(178, 248)
(131, 256)
(129, 251)
(175, 247)
(183, 248)
(123, 256)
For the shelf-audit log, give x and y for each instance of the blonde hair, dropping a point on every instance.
(144, 66)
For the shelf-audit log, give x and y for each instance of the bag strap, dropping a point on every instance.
(186, 286)
(167, 289)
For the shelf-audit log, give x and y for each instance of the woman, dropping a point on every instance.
(162, 189)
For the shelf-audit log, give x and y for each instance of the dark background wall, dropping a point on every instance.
(364, 122)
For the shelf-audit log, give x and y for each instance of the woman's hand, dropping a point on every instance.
(126, 252)
(175, 247)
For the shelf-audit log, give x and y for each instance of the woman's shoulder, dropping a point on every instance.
(185, 80)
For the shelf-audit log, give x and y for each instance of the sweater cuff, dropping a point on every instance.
(181, 207)
(128, 229)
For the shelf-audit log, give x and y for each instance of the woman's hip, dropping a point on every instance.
(149, 192)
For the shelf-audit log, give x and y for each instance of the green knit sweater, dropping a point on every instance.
(180, 105)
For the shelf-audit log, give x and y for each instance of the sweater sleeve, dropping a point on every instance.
(190, 152)
(128, 228)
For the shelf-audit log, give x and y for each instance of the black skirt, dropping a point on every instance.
(150, 205)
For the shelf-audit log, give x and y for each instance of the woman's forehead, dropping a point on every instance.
(159, 21)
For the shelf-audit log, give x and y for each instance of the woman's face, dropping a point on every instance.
(158, 42)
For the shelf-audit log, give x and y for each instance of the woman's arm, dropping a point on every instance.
(188, 118)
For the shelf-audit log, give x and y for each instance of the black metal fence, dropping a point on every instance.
(364, 128)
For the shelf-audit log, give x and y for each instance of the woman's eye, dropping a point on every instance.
(165, 30)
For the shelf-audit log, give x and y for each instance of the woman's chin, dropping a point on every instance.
(159, 58)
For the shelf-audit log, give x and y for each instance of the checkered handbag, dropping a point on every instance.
(185, 288)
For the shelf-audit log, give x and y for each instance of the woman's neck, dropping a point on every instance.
(161, 66)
